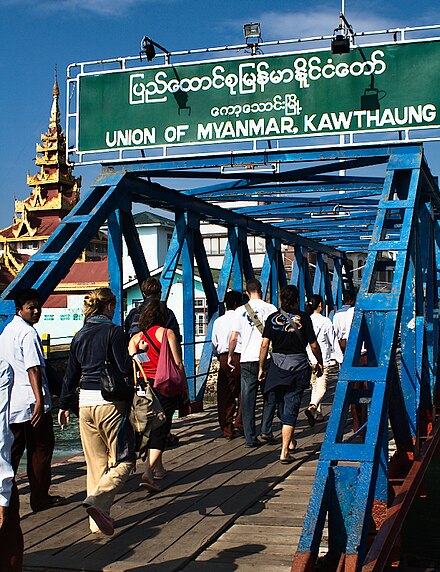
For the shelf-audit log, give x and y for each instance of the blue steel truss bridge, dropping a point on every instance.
(320, 203)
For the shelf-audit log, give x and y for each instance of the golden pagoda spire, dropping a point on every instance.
(55, 110)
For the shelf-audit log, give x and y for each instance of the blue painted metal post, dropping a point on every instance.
(173, 255)
(237, 236)
(115, 263)
(410, 381)
(376, 324)
(189, 333)
(297, 278)
(337, 282)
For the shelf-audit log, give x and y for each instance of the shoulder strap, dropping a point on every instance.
(253, 316)
(137, 367)
(294, 326)
(151, 341)
(107, 351)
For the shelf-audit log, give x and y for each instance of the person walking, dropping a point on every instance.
(228, 379)
(342, 321)
(151, 289)
(11, 537)
(331, 357)
(289, 330)
(247, 324)
(106, 433)
(30, 405)
(150, 339)
(343, 318)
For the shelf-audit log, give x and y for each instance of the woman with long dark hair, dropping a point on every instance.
(106, 433)
(289, 330)
(152, 322)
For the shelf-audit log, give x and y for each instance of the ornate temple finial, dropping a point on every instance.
(56, 89)
(55, 111)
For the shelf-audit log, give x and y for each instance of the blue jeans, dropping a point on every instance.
(249, 390)
(269, 408)
(289, 398)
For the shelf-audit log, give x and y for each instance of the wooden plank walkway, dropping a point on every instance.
(223, 507)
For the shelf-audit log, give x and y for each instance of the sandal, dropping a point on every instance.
(310, 413)
(288, 460)
(293, 445)
(151, 487)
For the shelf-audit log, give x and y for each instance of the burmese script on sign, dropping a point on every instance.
(388, 87)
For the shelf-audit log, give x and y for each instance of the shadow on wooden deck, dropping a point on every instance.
(212, 485)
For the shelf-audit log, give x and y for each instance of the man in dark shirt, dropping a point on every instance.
(151, 290)
(290, 331)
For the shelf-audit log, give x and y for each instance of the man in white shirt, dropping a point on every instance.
(228, 379)
(11, 537)
(342, 321)
(248, 324)
(343, 318)
(331, 356)
(30, 403)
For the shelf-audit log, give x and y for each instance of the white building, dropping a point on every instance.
(155, 234)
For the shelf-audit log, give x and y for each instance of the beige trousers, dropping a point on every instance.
(105, 475)
(319, 385)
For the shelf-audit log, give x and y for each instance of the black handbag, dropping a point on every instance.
(115, 385)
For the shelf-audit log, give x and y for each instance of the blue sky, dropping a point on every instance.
(37, 35)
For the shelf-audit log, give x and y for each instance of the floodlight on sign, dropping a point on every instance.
(252, 35)
(148, 49)
(340, 43)
(341, 37)
(252, 31)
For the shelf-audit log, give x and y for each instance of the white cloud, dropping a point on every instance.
(315, 22)
(322, 20)
(100, 7)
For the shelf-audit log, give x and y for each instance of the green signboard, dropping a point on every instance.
(375, 88)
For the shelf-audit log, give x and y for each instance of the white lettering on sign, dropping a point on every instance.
(313, 69)
(367, 119)
(246, 128)
(126, 137)
(252, 77)
(289, 103)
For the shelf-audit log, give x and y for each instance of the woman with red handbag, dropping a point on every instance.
(164, 370)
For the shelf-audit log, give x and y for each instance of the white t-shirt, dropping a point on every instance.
(20, 346)
(6, 436)
(221, 332)
(250, 335)
(326, 338)
(342, 321)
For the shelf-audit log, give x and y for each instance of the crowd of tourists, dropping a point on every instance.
(123, 378)
(305, 349)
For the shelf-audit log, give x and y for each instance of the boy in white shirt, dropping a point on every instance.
(331, 356)
(228, 380)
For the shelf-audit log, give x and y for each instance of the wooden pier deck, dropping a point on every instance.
(223, 507)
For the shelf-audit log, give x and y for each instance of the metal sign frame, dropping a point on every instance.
(77, 71)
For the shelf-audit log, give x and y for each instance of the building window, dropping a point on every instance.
(215, 244)
(200, 316)
(200, 324)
